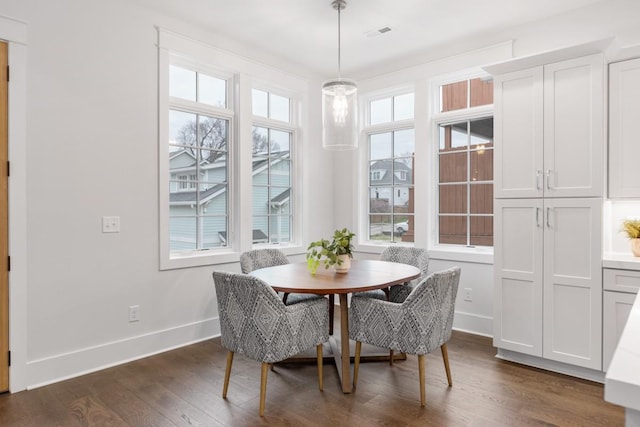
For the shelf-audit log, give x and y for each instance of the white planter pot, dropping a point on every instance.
(345, 265)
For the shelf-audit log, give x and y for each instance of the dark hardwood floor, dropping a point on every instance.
(184, 387)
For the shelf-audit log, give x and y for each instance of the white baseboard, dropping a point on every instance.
(473, 323)
(60, 367)
(551, 365)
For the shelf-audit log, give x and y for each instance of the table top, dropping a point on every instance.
(364, 275)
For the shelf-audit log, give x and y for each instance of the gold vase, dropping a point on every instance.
(635, 247)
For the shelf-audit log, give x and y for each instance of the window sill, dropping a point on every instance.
(477, 255)
(219, 256)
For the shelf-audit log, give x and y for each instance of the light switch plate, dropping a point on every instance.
(110, 224)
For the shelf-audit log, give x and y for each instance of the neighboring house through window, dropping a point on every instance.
(390, 137)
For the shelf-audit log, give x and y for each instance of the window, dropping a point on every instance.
(273, 137)
(198, 160)
(465, 164)
(391, 143)
(228, 153)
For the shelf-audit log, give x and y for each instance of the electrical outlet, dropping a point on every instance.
(110, 224)
(134, 313)
(468, 294)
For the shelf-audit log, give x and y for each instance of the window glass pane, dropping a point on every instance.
(212, 91)
(260, 138)
(380, 146)
(214, 231)
(260, 229)
(452, 230)
(279, 108)
(403, 107)
(380, 111)
(453, 96)
(380, 199)
(280, 143)
(380, 228)
(182, 83)
(453, 137)
(280, 172)
(402, 171)
(404, 142)
(481, 133)
(481, 231)
(279, 227)
(181, 129)
(280, 201)
(401, 197)
(212, 133)
(259, 103)
(260, 200)
(481, 198)
(452, 167)
(182, 229)
(403, 226)
(453, 199)
(481, 91)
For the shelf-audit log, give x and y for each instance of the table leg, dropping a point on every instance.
(344, 344)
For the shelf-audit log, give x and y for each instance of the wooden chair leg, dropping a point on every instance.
(356, 363)
(263, 386)
(332, 300)
(227, 374)
(445, 357)
(421, 359)
(319, 353)
(391, 357)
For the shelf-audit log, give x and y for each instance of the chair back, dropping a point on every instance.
(250, 314)
(261, 258)
(417, 257)
(433, 302)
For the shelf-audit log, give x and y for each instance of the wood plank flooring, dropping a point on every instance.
(183, 387)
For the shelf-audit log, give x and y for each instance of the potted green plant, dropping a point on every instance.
(632, 228)
(336, 253)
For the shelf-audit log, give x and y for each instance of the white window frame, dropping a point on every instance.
(451, 251)
(367, 131)
(174, 48)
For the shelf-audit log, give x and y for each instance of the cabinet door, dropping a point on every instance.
(573, 281)
(624, 143)
(574, 127)
(616, 307)
(518, 132)
(517, 317)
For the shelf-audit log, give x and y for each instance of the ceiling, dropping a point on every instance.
(306, 31)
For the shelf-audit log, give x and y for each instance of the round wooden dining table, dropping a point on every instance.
(363, 275)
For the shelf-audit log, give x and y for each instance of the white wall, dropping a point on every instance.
(92, 151)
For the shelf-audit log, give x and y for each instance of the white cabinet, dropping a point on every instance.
(624, 113)
(548, 296)
(549, 130)
(620, 289)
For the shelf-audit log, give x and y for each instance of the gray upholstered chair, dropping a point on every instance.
(269, 257)
(418, 325)
(255, 323)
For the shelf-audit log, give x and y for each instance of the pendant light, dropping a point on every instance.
(339, 105)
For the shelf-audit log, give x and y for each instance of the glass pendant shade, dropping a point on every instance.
(340, 114)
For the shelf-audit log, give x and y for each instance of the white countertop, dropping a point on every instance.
(622, 261)
(622, 382)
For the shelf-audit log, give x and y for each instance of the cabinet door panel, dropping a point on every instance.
(518, 275)
(616, 307)
(624, 143)
(573, 282)
(573, 127)
(518, 134)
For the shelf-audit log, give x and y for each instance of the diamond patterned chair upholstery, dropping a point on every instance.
(416, 257)
(418, 325)
(254, 322)
(261, 258)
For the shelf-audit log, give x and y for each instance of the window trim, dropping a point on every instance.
(183, 51)
(481, 254)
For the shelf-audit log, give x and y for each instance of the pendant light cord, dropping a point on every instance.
(339, 70)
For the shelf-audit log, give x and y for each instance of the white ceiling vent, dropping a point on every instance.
(374, 33)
